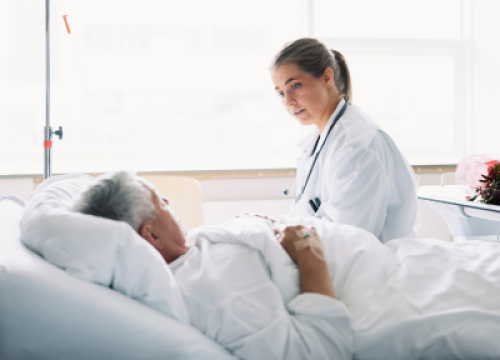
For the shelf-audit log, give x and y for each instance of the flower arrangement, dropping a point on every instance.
(488, 192)
(469, 171)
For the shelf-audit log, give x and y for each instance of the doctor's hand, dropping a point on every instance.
(258, 216)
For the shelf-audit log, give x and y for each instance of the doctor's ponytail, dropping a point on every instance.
(342, 76)
(313, 57)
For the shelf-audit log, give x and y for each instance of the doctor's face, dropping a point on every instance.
(305, 97)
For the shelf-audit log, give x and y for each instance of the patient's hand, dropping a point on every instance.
(296, 239)
(314, 275)
(288, 237)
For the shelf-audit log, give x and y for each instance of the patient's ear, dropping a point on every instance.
(147, 232)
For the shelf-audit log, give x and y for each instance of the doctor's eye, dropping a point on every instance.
(295, 86)
(281, 94)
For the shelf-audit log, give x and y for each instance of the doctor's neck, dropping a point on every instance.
(334, 100)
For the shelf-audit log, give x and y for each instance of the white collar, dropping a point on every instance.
(309, 140)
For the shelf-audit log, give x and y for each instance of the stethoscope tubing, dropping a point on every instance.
(289, 192)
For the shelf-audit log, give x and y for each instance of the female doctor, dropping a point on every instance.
(350, 170)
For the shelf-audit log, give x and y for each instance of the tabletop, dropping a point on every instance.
(453, 195)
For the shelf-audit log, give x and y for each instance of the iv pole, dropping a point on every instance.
(48, 132)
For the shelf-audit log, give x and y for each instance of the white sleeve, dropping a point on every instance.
(324, 326)
(314, 327)
(357, 187)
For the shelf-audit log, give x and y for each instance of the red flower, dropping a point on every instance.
(489, 190)
(492, 169)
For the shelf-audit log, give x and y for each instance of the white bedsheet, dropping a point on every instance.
(410, 299)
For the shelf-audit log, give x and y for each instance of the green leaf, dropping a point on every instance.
(473, 198)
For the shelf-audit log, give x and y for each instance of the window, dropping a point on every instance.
(409, 64)
(388, 19)
(157, 85)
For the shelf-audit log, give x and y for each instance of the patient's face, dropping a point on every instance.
(166, 231)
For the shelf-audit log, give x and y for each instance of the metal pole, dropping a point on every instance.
(48, 130)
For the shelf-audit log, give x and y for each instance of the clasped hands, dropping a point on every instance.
(304, 246)
(297, 240)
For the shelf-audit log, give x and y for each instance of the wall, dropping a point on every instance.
(22, 187)
(263, 195)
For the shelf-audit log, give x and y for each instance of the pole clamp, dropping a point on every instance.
(58, 132)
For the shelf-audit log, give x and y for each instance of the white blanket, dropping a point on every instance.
(410, 299)
(231, 297)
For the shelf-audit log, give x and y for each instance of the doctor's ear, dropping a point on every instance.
(329, 77)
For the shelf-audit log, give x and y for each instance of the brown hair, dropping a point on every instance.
(313, 57)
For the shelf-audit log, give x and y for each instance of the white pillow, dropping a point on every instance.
(99, 250)
(46, 314)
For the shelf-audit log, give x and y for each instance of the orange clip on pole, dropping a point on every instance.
(66, 22)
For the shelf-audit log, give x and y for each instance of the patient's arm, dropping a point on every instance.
(314, 275)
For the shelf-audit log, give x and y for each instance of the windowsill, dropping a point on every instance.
(217, 186)
(250, 173)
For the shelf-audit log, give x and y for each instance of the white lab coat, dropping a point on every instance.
(361, 178)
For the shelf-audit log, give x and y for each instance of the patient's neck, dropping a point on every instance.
(173, 253)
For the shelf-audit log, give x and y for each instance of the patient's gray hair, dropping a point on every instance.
(119, 196)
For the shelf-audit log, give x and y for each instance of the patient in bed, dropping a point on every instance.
(228, 287)
(264, 299)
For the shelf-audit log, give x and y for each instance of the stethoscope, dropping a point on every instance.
(316, 203)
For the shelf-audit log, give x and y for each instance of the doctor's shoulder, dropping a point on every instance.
(355, 127)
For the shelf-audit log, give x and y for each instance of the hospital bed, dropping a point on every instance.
(45, 313)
